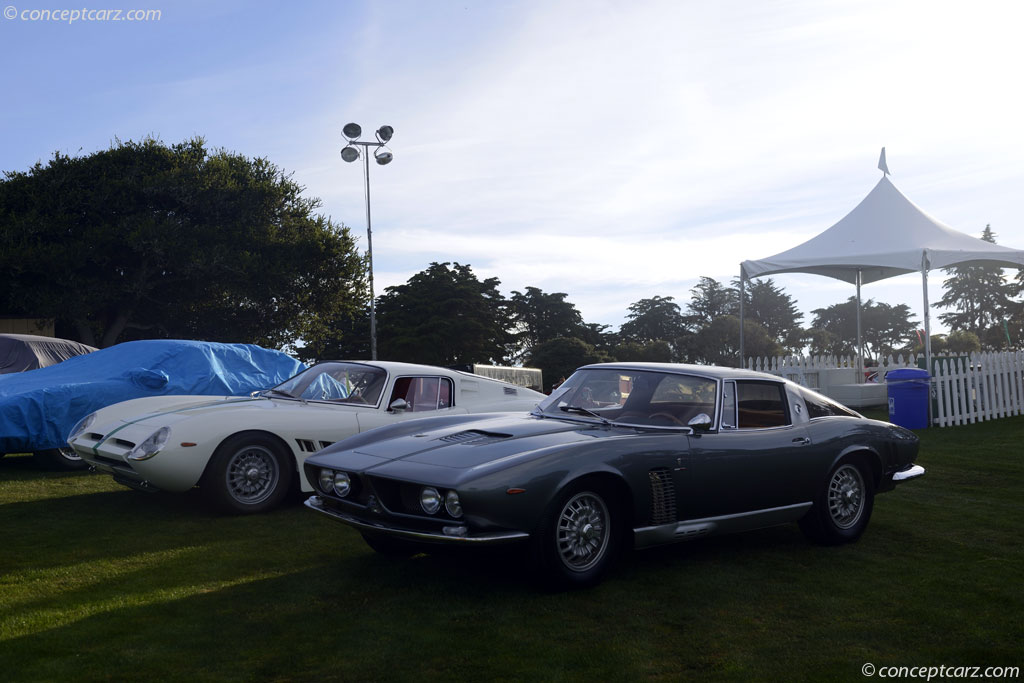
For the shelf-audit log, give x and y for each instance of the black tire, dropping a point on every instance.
(60, 459)
(391, 546)
(579, 538)
(843, 506)
(249, 472)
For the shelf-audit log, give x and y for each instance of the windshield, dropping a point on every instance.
(634, 397)
(351, 383)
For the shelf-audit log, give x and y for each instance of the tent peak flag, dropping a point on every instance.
(882, 166)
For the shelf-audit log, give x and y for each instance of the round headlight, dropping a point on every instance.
(326, 480)
(151, 446)
(453, 505)
(430, 500)
(82, 425)
(342, 484)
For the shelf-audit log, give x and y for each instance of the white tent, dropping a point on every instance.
(885, 235)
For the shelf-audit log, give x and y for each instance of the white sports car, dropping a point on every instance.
(246, 453)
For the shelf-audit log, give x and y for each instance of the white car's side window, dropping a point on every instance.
(423, 393)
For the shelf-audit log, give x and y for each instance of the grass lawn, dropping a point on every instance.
(98, 582)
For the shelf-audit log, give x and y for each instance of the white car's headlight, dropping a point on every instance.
(82, 425)
(151, 446)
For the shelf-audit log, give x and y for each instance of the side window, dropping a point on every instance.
(423, 393)
(761, 405)
(729, 405)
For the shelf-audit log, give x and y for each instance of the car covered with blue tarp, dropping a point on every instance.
(39, 408)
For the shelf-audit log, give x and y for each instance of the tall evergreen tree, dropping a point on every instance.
(649, 320)
(539, 317)
(709, 300)
(776, 311)
(443, 316)
(979, 295)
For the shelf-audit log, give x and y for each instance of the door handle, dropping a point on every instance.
(803, 440)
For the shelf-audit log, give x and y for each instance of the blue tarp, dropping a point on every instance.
(39, 408)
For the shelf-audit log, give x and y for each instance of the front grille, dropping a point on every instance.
(113, 462)
(663, 496)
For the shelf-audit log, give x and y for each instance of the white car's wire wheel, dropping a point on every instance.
(253, 474)
(249, 472)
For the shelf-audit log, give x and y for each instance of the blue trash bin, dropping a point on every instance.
(908, 390)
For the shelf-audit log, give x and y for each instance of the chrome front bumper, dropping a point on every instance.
(497, 538)
(912, 472)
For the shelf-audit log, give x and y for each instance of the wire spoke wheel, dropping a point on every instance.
(583, 532)
(252, 474)
(846, 496)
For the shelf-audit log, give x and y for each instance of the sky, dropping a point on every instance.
(611, 150)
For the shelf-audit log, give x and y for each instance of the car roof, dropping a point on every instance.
(716, 371)
(399, 368)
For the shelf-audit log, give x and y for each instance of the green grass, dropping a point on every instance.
(98, 582)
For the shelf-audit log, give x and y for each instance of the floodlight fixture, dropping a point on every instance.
(383, 156)
(350, 153)
(351, 131)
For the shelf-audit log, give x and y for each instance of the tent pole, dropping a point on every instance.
(741, 317)
(927, 329)
(860, 343)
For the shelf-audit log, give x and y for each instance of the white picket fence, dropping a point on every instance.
(964, 389)
(804, 370)
(983, 386)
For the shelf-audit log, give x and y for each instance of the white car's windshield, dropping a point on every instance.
(635, 397)
(337, 382)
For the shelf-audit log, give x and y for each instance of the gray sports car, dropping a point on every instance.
(623, 454)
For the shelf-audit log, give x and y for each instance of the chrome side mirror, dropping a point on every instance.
(399, 405)
(700, 422)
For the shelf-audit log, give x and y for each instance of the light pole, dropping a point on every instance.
(382, 154)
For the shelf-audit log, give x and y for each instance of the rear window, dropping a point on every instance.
(820, 406)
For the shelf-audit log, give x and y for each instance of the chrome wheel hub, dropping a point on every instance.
(846, 496)
(583, 532)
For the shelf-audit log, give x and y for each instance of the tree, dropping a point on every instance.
(538, 317)
(885, 329)
(962, 341)
(980, 297)
(718, 343)
(659, 351)
(558, 358)
(709, 300)
(443, 316)
(653, 319)
(150, 240)
(775, 311)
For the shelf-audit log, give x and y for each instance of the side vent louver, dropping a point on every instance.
(663, 496)
(306, 446)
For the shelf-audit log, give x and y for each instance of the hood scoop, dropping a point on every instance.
(474, 437)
